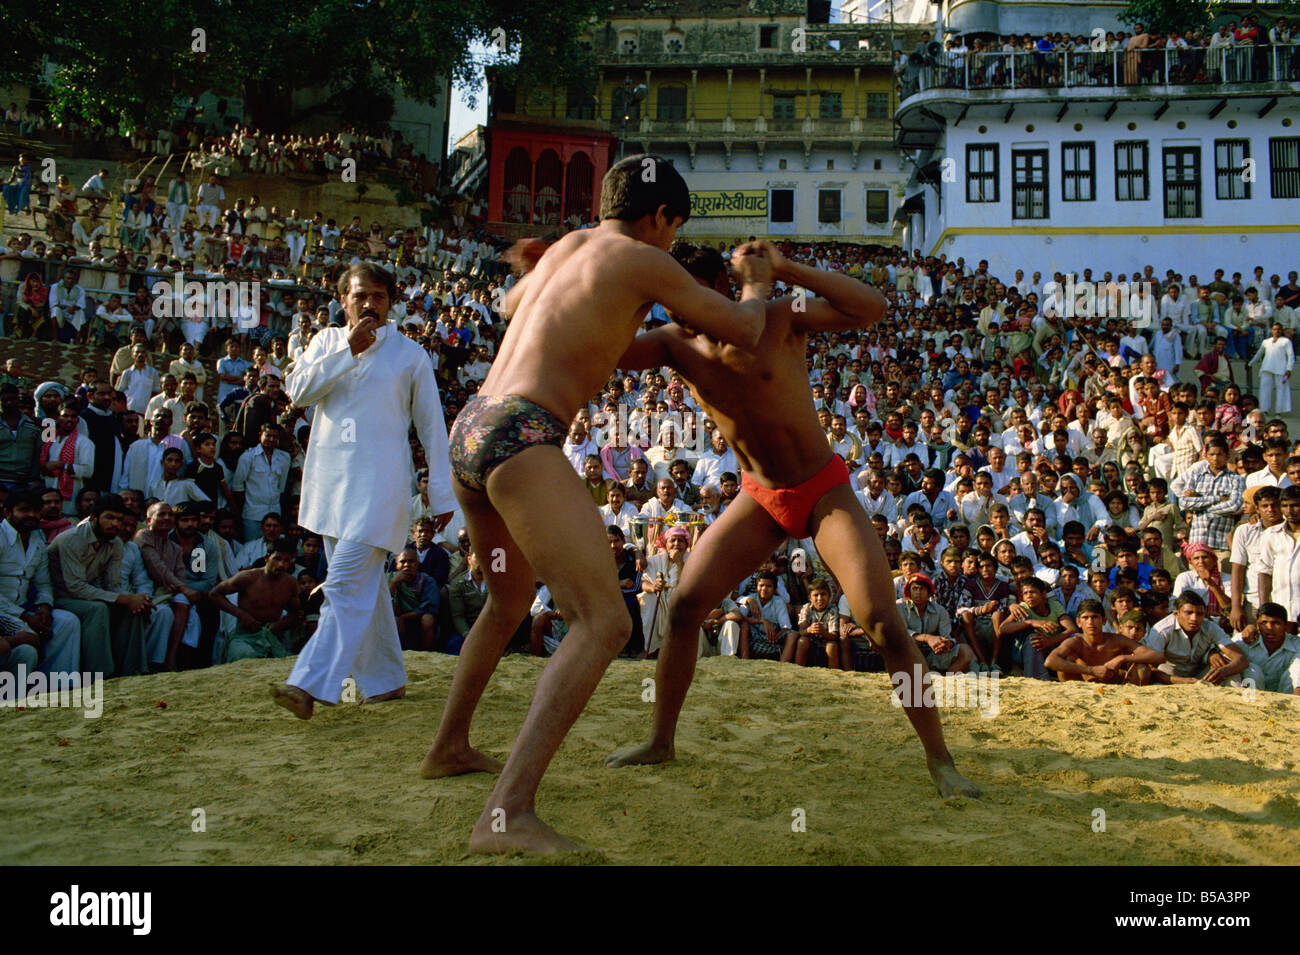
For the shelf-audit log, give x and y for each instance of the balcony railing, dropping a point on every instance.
(1063, 69)
(739, 129)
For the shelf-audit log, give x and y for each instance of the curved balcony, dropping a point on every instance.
(953, 82)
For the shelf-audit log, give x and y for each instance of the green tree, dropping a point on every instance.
(113, 60)
(1166, 16)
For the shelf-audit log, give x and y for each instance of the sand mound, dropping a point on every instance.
(1185, 775)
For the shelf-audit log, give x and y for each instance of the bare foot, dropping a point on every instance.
(642, 754)
(522, 833)
(436, 765)
(396, 694)
(298, 702)
(950, 782)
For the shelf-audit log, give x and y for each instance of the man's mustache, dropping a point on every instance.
(369, 313)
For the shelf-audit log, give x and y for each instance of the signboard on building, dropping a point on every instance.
(719, 203)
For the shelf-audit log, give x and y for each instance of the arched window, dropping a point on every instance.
(577, 190)
(518, 186)
(548, 177)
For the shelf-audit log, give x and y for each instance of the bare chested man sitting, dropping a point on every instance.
(793, 485)
(265, 594)
(1085, 655)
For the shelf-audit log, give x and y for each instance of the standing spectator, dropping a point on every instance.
(140, 382)
(67, 460)
(19, 185)
(20, 442)
(1211, 494)
(102, 427)
(260, 480)
(178, 202)
(1279, 576)
(1276, 359)
(230, 371)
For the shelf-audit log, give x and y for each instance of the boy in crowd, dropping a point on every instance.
(1085, 655)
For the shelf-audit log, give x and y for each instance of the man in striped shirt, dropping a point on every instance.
(1212, 495)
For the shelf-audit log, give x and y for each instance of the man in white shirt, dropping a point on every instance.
(1279, 575)
(167, 398)
(211, 196)
(1135, 343)
(876, 499)
(259, 480)
(142, 465)
(578, 445)
(68, 303)
(1274, 471)
(94, 187)
(67, 476)
(1276, 359)
(1000, 469)
(1021, 284)
(369, 385)
(713, 462)
(140, 382)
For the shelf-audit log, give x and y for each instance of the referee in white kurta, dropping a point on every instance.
(369, 384)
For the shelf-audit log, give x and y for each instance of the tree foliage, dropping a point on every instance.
(1166, 16)
(114, 61)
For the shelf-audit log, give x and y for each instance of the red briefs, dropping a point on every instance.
(791, 507)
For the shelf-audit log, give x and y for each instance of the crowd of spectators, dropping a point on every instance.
(1236, 52)
(89, 283)
(1056, 495)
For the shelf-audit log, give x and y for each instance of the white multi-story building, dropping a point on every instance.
(1184, 159)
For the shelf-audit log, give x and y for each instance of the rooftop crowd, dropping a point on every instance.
(1237, 51)
(1059, 496)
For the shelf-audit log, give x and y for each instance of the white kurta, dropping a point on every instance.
(357, 475)
(1276, 359)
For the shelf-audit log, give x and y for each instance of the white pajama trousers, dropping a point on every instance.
(296, 242)
(357, 633)
(1274, 394)
(209, 215)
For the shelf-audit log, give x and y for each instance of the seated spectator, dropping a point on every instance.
(821, 634)
(1185, 647)
(768, 635)
(86, 571)
(1272, 653)
(723, 628)
(467, 594)
(415, 602)
(268, 606)
(51, 638)
(928, 624)
(1092, 654)
(1038, 623)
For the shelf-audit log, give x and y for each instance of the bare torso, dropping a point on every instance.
(266, 597)
(575, 319)
(1110, 646)
(760, 399)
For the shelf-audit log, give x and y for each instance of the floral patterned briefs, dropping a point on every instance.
(492, 429)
